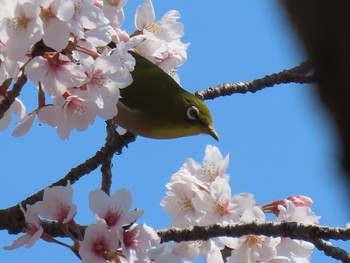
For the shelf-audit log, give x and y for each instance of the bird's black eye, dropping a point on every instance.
(192, 113)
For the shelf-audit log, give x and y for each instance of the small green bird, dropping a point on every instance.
(155, 106)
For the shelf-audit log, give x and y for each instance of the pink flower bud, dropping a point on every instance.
(298, 200)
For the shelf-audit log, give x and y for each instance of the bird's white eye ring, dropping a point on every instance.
(192, 113)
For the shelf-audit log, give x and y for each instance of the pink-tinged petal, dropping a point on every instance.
(21, 241)
(64, 9)
(56, 34)
(17, 46)
(34, 238)
(114, 210)
(6, 120)
(300, 200)
(24, 125)
(34, 229)
(123, 198)
(144, 15)
(63, 132)
(100, 36)
(71, 214)
(18, 108)
(131, 217)
(253, 214)
(49, 115)
(57, 203)
(99, 201)
(99, 244)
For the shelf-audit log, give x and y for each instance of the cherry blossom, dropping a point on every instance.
(162, 43)
(164, 253)
(55, 15)
(167, 28)
(298, 200)
(99, 245)
(55, 72)
(113, 210)
(214, 165)
(137, 240)
(57, 204)
(179, 200)
(24, 29)
(216, 204)
(253, 248)
(113, 11)
(44, 114)
(86, 16)
(33, 229)
(209, 249)
(297, 250)
(17, 108)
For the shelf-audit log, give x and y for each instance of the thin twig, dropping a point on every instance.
(12, 95)
(331, 251)
(299, 74)
(106, 167)
(12, 218)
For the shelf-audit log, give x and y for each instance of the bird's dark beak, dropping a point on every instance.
(212, 132)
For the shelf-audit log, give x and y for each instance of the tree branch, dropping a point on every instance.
(299, 74)
(12, 95)
(284, 229)
(12, 218)
(107, 162)
(310, 233)
(331, 251)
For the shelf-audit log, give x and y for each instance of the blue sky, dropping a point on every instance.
(280, 140)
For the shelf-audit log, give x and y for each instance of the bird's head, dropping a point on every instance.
(156, 106)
(196, 117)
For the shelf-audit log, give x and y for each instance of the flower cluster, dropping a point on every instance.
(76, 54)
(198, 195)
(113, 238)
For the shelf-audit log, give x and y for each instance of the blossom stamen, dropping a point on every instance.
(221, 207)
(153, 27)
(254, 241)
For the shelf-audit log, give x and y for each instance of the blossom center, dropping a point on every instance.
(74, 104)
(186, 203)
(112, 217)
(46, 12)
(130, 238)
(210, 171)
(100, 249)
(19, 23)
(221, 207)
(77, 7)
(99, 79)
(254, 241)
(153, 27)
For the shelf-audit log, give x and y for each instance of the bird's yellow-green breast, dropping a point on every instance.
(155, 105)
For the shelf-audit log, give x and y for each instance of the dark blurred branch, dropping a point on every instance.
(324, 29)
(299, 74)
